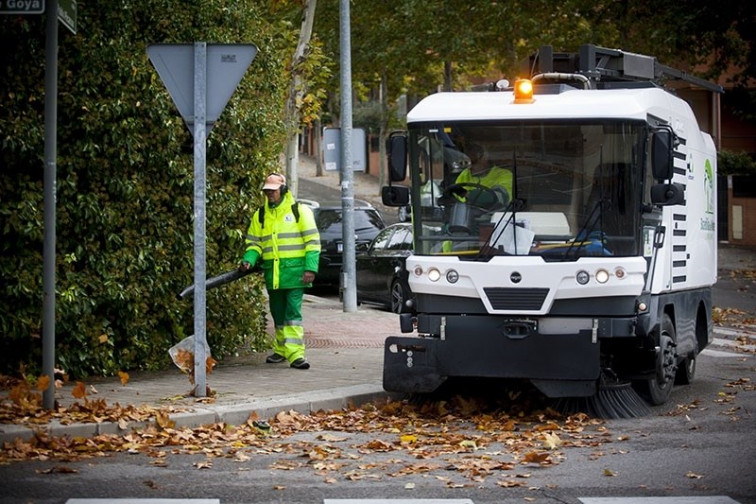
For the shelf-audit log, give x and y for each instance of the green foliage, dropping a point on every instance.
(735, 163)
(125, 184)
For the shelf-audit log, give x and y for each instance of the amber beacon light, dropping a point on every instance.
(523, 91)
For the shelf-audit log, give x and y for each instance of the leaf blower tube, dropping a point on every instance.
(217, 281)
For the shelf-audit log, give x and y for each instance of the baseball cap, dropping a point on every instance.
(274, 181)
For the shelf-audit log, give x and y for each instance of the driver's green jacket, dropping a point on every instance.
(495, 177)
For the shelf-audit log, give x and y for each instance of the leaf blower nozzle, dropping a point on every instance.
(217, 281)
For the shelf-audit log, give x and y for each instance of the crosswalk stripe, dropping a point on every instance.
(715, 499)
(142, 501)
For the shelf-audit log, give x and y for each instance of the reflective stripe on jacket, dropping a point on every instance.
(288, 248)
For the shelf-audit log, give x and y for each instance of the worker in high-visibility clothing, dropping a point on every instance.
(482, 174)
(284, 236)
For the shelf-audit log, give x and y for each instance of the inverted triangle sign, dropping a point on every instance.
(226, 65)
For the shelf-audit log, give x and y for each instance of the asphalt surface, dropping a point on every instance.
(345, 350)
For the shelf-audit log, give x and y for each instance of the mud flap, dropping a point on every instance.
(411, 365)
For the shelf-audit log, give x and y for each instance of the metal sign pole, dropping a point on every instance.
(347, 174)
(50, 182)
(200, 326)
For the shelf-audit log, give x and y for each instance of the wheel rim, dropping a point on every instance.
(667, 364)
(397, 298)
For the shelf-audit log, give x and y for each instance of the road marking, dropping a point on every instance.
(745, 349)
(716, 499)
(398, 501)
(142, 501)
(734, 332)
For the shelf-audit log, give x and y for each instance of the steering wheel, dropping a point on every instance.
(497, 195)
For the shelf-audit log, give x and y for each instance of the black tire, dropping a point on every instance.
(687, 371)
(656, 390)
(399, 293)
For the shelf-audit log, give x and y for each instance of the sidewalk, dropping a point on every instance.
(344, 349)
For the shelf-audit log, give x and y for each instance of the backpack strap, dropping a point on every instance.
(261, 213)
(295, 210)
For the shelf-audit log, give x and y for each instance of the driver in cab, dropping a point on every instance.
(480, 173)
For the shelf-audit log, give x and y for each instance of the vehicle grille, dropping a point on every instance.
(503, 298)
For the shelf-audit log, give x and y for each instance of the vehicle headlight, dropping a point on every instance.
(602, 276)
(582, 277)
(418, 271)
(619, 272)
(452, 276)
(434, 274)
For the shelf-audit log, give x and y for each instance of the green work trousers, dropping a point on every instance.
(286, 310)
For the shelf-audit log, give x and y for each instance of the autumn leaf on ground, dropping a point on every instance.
(692, 475)
(43, 382)
(163, 420)
(241, 457)
(609, 472)
(535, 457)
(59, 469)
(124, 376)
(203, 465)
(510, 484)
(79, 391)
(551, 441)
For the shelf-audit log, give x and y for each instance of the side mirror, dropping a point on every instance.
(395, 196)
(397, 156)
(667, 194)
(661, 154)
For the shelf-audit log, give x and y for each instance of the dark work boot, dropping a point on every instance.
(275, 358)
(300, 364)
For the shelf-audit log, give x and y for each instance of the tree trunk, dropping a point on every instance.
(295, 92)
(317, 148)
(448, 76)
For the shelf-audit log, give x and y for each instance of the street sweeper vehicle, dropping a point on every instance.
(580, 253)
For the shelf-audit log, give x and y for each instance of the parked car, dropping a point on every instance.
(368, 222)
(380, 273)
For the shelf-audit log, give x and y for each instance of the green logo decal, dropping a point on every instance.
(709, 187)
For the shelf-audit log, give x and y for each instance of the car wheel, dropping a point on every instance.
(398, 296)
(658, 388)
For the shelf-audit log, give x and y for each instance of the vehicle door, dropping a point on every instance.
(368, 277)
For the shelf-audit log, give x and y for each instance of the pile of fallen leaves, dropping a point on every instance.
(460, 437)
(460, 442)
(23, 405)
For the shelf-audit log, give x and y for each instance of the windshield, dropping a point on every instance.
(329, 220)
(557, 190)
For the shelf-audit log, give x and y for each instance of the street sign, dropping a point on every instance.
(67, 14)
(22, 6)
(200, 78)
(226, 65)
(332, 149)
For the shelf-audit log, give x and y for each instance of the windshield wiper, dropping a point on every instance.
(594, 218)
(517, 204)
(486, 250)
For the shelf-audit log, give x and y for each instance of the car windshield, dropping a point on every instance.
(557, 190)
(328, 219)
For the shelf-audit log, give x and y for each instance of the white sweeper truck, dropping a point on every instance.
(582, 257)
